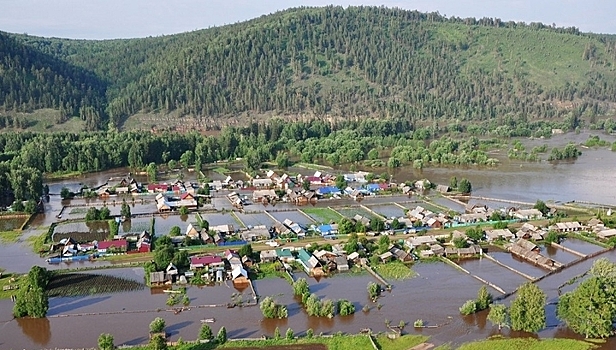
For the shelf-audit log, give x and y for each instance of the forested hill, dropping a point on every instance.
(353, 62)
(31, 79)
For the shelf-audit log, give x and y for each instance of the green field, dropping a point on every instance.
(528, 344)
(322, 215)
(6, 280)
(394, 270)
(347, 342)
(350, 212)
(9, 236)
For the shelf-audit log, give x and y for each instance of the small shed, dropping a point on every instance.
(385, 257)
(342, 264)
(239, 275)
(157, 278)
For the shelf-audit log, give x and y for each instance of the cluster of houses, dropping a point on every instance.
(166, 203)
(132, 242)
(425, 218)
(121, 185)
(211, 268)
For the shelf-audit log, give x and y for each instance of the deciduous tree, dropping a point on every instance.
(527, 311)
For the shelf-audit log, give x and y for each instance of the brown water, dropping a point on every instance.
(518, 264)
(558, 254)
(434, 296)
(432, 286)
(580, 246)
(493, 273)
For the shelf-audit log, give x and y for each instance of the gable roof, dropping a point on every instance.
(308, 259)
(205, 260)
(107, 244)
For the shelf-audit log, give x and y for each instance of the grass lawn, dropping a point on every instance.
(62, 175)
(403, 343)
(5, 280)
(346, 342)
(270, 270)
(394, 270)
(323, 215)
(38, 242)
(528, 344)
(312, 166)
(9, 236)
(221, 170)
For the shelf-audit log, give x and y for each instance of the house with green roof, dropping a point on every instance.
(285, 255)
(310, 263)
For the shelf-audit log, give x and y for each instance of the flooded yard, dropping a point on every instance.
(256, 219)
(493, 273)
(350, 212)
(580, 246)
(444, 202)
(294, 216)
(558, 254)
(216, 219)
(518, 264)
(387, 210)
(82, 231)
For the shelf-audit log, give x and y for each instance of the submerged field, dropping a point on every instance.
(81, 284)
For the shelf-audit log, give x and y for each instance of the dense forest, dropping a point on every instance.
(320, 62)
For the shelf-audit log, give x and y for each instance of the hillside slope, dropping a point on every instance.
(354, 62)
(30, 80)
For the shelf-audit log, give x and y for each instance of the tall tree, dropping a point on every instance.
(590, 309)
(527, 311)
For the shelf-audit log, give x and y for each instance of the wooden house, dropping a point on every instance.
(310, 263)
(239, 276)
(493, 235)
(268, 256)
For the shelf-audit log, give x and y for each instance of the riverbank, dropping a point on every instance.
(528, 344)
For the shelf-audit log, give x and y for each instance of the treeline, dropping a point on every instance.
(353, 62)
(24, 157)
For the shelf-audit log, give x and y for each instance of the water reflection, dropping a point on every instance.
(37, 329)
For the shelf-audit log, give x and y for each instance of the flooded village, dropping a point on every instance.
(298, 223)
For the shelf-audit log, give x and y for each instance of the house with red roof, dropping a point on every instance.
(206, 261)
(117, 245)
(156, 188)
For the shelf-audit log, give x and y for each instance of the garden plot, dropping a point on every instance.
(82, 231)
(81, 284)
(350, 212)
(294, 216)
(256, 219)
(220, 219)
(12, 223)
(387, 210)
(322, 215)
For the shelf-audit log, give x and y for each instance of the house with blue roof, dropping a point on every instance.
(328, 190)
(328, 229)
(373, 187)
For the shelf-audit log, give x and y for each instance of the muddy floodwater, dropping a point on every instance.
(494, 273)
(127, 315)
(434, 295)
